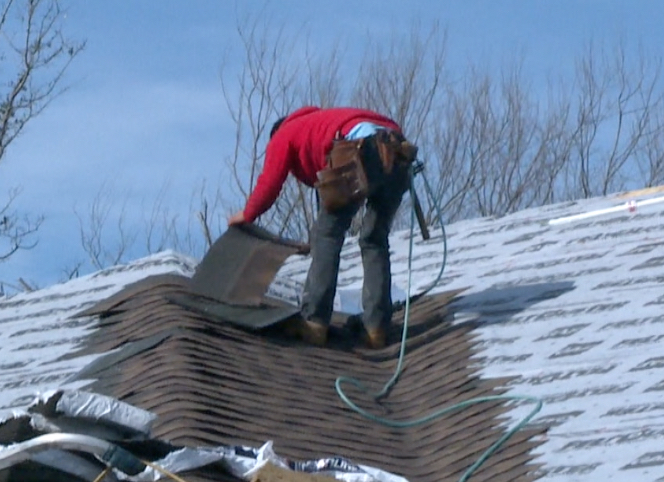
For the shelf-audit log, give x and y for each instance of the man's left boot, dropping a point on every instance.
(314, 332)
(311, 331)
(376, 338)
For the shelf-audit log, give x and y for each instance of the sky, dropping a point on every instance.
(144, 112)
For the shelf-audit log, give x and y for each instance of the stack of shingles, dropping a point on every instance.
(214, 383)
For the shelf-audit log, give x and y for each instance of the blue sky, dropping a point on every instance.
(145, 107)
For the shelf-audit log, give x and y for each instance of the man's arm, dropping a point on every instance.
(269, 183)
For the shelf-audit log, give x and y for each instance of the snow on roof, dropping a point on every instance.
(572, 312)
(36, 331)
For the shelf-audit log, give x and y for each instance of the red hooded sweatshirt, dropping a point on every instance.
(300, 146)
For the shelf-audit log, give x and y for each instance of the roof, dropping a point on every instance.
(568, 312)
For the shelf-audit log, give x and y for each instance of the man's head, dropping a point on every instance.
(276, 126)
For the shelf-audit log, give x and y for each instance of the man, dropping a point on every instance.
(299, 144)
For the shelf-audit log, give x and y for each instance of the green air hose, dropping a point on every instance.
(439, 413)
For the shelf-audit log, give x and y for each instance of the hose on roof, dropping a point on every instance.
(402, 351)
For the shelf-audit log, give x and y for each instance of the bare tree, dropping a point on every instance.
(111, 233)
(404, 77)
(102, 248)
(516, 147)
(492, 142)
(16, 231)
(502, 147)
(463, 140)
(650, 158)
(616, 108)
(36, 54)
(257, 95)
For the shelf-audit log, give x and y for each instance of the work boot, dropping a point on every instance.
(314, 332)
(376, 338)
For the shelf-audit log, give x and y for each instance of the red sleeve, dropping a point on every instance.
(271, 180)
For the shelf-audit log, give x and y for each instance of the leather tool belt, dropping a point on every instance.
(344, 181)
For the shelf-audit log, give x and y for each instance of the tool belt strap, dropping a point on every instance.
(393, 148)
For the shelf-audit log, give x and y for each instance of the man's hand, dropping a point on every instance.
(237, 218)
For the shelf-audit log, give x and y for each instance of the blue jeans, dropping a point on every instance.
(327, 238)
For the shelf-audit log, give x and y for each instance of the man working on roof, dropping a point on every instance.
(302, 144)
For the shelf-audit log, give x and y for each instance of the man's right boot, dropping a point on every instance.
(312, 332)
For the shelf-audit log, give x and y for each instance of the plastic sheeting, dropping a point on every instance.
(99, 407)
(92, 409)
(244, 462)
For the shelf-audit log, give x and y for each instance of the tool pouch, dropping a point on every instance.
(344, 180)
(393, 148)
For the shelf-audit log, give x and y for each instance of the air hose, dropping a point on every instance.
(418, 167)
